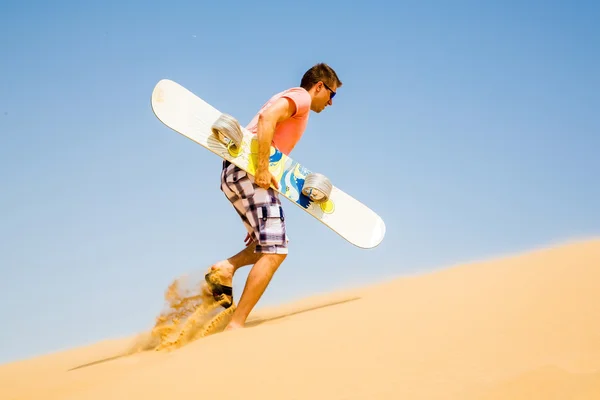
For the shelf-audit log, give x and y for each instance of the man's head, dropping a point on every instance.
(321, 82)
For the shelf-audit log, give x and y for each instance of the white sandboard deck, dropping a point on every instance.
(192, 117)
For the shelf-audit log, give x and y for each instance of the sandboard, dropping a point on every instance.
(189, 115)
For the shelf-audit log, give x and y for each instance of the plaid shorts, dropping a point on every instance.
(259, 209)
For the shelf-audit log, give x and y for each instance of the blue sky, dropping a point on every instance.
(472, 130)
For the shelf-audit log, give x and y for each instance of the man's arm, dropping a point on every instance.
(279, 111)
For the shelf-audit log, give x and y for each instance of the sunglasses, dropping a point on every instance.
(331, 92)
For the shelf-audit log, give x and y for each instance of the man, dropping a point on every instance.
(280, 122)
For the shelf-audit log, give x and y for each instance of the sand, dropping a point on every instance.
(525, 326)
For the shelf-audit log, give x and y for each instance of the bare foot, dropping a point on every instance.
(233, 325)
(223, 272)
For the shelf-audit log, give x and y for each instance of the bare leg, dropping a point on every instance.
(225, 269)
(259, 277)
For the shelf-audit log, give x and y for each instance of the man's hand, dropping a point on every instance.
(264, 179)
(279, 111)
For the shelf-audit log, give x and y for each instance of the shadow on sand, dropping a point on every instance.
(249, 324)
(98, 362)
(259, 321)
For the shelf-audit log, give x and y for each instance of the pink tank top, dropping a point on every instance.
(288, 132)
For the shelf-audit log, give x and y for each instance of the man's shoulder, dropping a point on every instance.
(300, 97)
(296, 91)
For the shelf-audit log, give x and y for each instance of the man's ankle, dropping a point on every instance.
(223, 268)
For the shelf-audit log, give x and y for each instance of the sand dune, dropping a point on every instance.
(521, 327)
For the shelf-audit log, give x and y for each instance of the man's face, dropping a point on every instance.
(323, 97)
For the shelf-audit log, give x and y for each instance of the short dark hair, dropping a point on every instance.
(320, 72)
